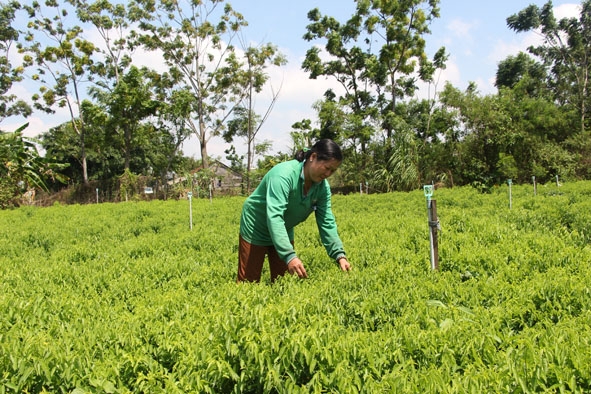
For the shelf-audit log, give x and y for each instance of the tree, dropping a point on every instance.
(565, 51)
(112, 22)
(246, 123)
(349, 64)
(200, 56)
(375, 76)
(485, 124)
(506, 134)
(63, 61)
(301, 135)
(128, 104)
(10, 105)
(174, 114)
(61, 144)
(522, 73)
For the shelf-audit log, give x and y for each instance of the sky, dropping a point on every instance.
(474, 33)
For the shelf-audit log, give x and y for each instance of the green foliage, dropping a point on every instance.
(507, 166)
(564, 51)
(122, 298)
(9, 193)
(539, 117)
(201, 57)
(372, 55)
(22, 168)
(10, 104)
(128, 185)
(63, 60)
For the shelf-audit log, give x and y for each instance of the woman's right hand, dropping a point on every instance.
(296, 266)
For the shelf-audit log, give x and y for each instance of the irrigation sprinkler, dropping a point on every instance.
(433, 226)
(510, 182)
(533, 180)
(189, 196)
(97, 197)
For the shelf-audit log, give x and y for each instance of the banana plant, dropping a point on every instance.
(22, 164)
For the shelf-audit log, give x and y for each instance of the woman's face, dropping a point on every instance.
(319, 170)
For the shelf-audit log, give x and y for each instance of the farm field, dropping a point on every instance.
(126, 298)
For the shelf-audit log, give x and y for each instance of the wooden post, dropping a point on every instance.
(510, 182)
(433, 228)
(190, 195)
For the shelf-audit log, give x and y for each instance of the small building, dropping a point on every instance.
(225, 178)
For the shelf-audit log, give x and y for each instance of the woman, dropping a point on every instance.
(286, 196)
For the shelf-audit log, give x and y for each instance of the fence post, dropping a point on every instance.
(510, 182)
(190, 195)
(433, 226)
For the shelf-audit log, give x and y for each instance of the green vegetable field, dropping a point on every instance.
(125, 298)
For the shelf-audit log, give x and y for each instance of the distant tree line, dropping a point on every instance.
(129, 120)
(537, 124)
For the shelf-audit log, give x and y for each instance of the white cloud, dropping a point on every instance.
(462, 29)
(503, 49)
(567, 11)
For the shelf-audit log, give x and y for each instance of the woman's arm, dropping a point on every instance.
(327, 226)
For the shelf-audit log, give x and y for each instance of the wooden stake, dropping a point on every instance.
(433, 228)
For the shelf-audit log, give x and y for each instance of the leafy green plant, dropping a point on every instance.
(22, 168)
(126, 298)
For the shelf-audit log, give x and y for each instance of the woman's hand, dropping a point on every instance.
(296, 266)
(344, 263)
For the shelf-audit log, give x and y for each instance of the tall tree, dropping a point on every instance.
(112, 22)
(174, 114)
(128, 104)
(63, 59)
(565, 51)
(10, 105)
(376, 56)
(507, 134)
(200, 55)
(246, 122)
(522, 73)
(349, 64)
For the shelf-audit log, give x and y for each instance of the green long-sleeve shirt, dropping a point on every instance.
(278, 204)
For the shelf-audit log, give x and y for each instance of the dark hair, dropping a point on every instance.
(325, 150)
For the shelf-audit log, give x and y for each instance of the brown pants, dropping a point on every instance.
(251, 259)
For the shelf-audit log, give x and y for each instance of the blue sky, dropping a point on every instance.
(474, 33)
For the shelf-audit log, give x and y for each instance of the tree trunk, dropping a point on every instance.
(204, 158)
(203, 144)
